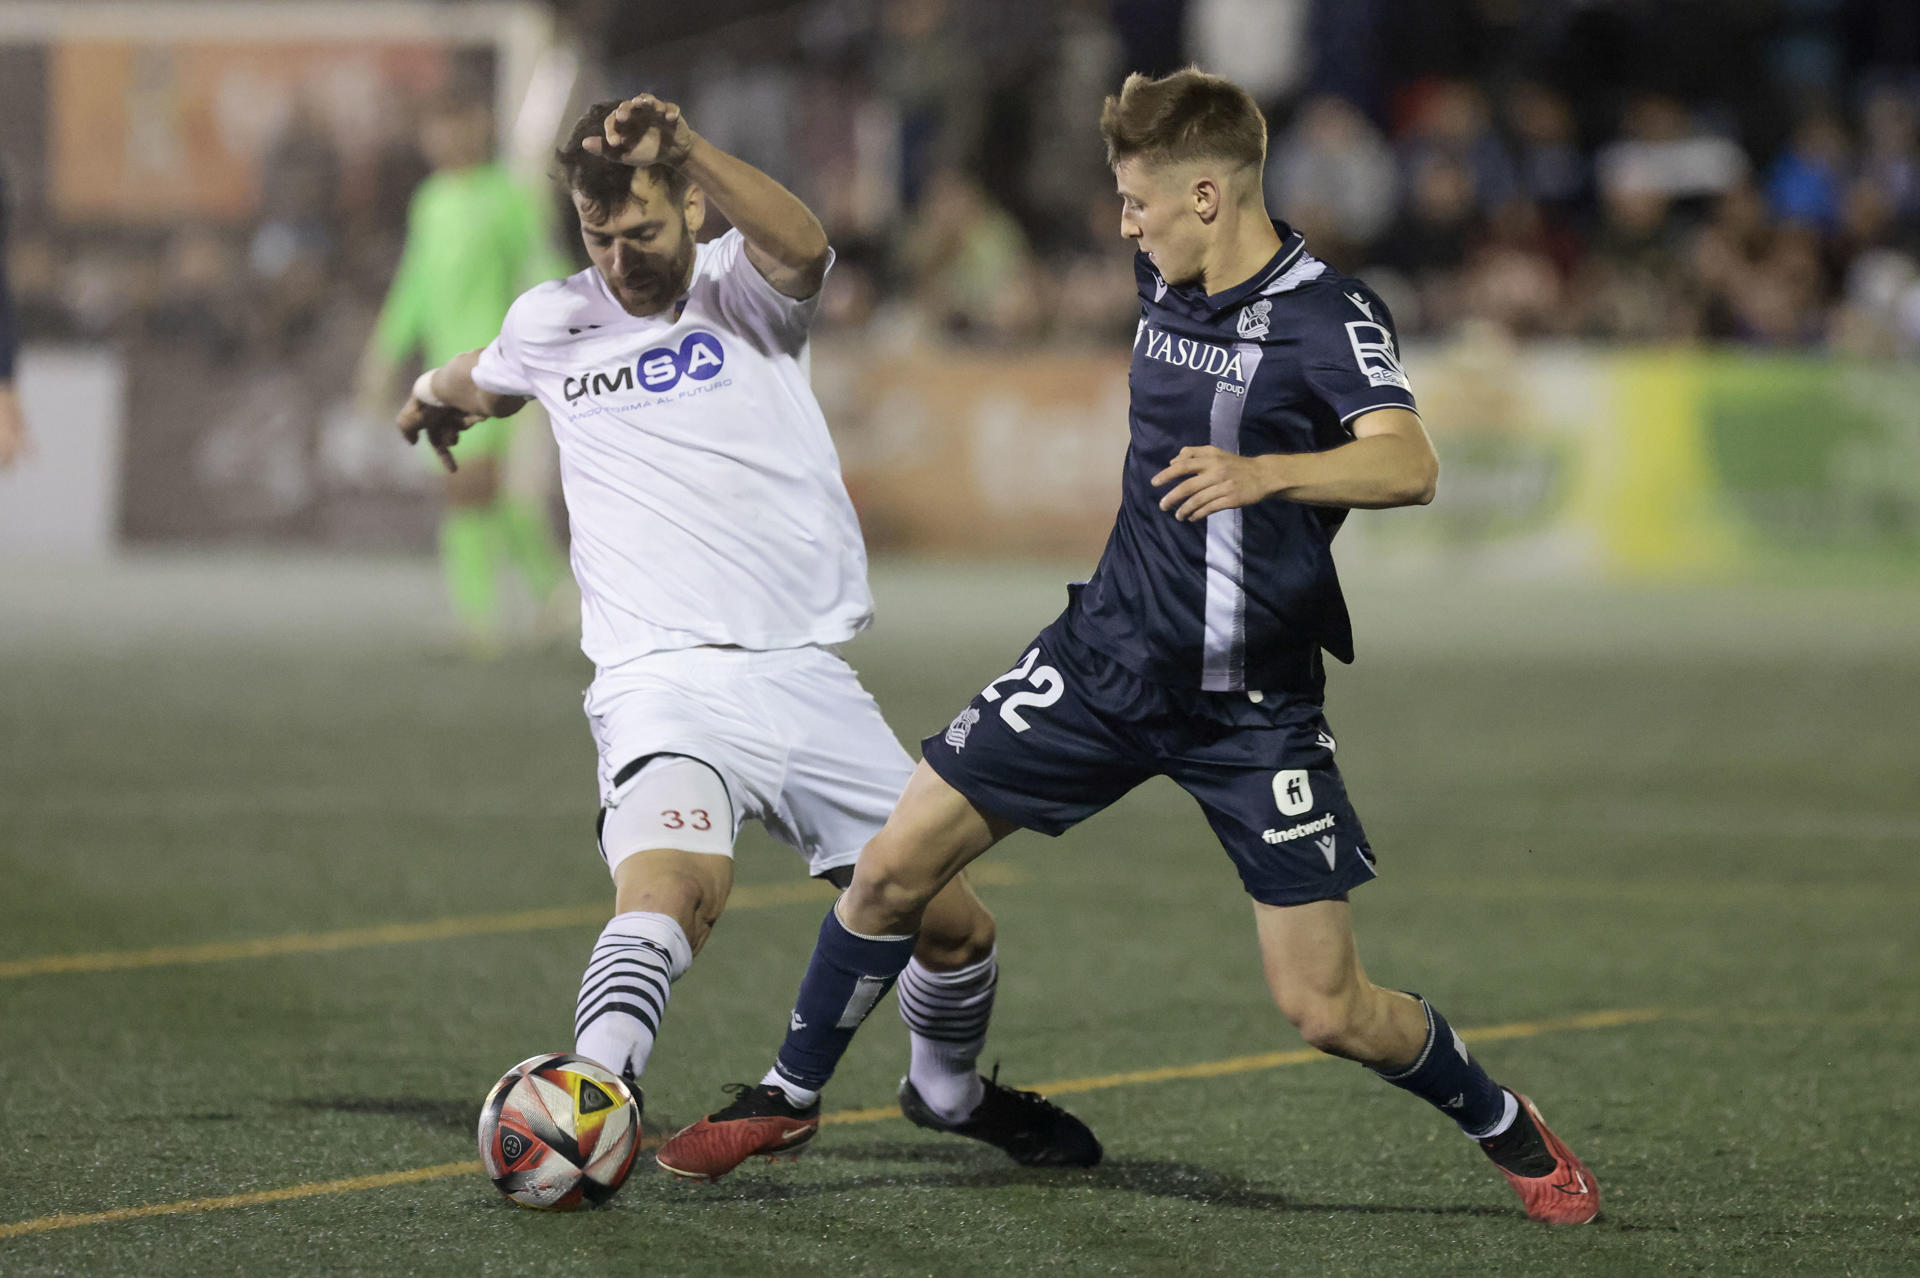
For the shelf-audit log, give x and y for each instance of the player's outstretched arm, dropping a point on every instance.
(785, 241)
(1390, 462)
(445, 402)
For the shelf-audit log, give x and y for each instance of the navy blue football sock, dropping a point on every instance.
(1448, 1078)
(847, 976)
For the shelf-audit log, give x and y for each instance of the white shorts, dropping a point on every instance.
(797, 741)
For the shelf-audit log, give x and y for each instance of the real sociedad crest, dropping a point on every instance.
(961, 726)
(1254, 321)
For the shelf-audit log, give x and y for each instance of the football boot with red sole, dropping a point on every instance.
(1567, 1195)
(760, 1123)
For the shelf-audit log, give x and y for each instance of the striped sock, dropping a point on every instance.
(946, 1014)
(624, 990)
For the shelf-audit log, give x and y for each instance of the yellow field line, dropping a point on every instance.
(318, 1189)
(750, 897)
(1272, 1060)
(845, 1117)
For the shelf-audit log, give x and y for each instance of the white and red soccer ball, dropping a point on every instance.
(559, 1132)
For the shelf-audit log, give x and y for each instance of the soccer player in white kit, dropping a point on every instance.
(718, 556)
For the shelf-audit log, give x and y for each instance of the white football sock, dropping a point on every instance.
(623, 992)
(946, 1015)
(799, 1097)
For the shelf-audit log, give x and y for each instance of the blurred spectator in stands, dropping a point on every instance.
(1427, 246)
(1550, 167)
(202, 298)
(1448, 119)
(1782, 303)
(1333, 177)
(1095, 297)
(1627, 286)
(1890, 155)
(925, 70)
(1664, 151)
(1067, 164)
(294, 245)
(1725, 252)
(1511, 279)
(1261, 45)
(968, 261)
(1879, 315)
(1806, 182)
(39, 307)
(14, 441)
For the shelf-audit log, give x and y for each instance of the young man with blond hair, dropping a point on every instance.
(1268, 399)
(718, 557)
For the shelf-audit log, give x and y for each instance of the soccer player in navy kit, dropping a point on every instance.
(1267, 400)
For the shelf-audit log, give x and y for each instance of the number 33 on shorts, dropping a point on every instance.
(1045, 679)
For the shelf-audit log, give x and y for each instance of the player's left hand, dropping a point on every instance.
(441, 426)
(1216, 480)
(643, 131)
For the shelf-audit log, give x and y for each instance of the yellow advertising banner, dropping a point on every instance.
(1555, 459)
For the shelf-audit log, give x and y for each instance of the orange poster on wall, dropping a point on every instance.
(152, 132)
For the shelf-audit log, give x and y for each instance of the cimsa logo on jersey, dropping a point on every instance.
(699, 357)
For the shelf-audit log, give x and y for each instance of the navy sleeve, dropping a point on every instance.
(1352, 356)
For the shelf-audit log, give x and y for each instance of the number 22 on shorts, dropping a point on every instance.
(1045, 678)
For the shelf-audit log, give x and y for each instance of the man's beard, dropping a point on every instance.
(651, 289)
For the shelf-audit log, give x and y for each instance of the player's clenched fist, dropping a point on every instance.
(1217, 480)
(643, 131)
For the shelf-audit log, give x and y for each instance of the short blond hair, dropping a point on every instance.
(1188, 115)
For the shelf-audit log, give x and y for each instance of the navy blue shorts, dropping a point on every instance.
(1068, 730)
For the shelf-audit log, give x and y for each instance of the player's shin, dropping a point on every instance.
(1445, 1075)
(946, 1015)
(624, 991)
(848, 975)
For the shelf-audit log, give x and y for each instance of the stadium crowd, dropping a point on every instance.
(1617, 172)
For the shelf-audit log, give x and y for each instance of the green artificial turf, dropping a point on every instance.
(1718, 830)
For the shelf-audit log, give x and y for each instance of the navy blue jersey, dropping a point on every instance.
(1283, 363)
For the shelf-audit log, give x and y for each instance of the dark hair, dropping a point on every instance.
(1188, 115)
(605, 185)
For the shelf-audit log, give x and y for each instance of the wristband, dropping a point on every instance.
(423, 390)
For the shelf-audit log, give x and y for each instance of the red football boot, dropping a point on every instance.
(1553, 1185)
(761, 1122)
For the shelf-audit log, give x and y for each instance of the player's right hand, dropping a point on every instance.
(441, 425)
(644, 131)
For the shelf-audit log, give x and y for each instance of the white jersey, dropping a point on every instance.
(703, 491)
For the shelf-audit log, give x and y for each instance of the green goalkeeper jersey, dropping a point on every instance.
(476, 239)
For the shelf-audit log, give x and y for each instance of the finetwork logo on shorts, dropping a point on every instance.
(962, 725)
(1300, 831)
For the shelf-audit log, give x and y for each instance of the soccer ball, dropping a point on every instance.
(559, 1131)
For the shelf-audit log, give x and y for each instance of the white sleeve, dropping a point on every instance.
(754, 307)
(499, 368)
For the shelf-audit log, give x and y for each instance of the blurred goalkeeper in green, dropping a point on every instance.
(476, 239)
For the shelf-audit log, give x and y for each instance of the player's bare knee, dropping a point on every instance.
(949, 942)
(1328, 1024)
(882, 902)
